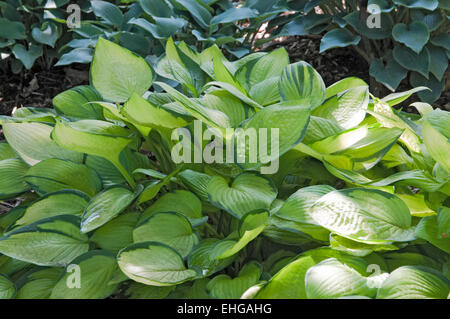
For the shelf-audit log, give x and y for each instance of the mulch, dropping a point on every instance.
(38, 86)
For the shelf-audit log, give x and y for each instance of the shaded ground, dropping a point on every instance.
(37, 87)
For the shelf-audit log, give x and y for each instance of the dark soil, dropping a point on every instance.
(37, 87)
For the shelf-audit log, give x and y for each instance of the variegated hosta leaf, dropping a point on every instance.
(364, 215)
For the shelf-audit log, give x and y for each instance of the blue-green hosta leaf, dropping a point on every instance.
(7, 288)
(365, 215)
(428, 229)
(139, 110)
(159, 8)
(234, 14)
(385, 5)
(224, 287)
(334, 278)
(27, 57)
(251, 225)
(361, 26)
(52, 175)
(105, 206)
(116, 72)
(414, 35)
(77, 55)
(305, 24)
(179, 201)
(197, 10)
(117, 233)
(154, 264)
(53, 241)
(438, 61)
(410, 60)
(248, 192)
(284, 125)
(436, 87)
(74, 103)
(338, 38)
(163, 28)
(46, 34)
(170, 228)
(96, 269)
(32, 142)
(202, 257)
(289, 282)
(414, 282)
(436, 135)
(431, 19)
(348, 109)
(12, 29)
(67, 202)
(109, 12)
(12, 177)
(441, 40)
(97, 138)
(299, 81)
(423, 4)
(389, 74)
(38, 283)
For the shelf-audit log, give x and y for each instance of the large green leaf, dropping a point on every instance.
(179, 201)
(248, 192)
(410, 60)
(105, 206)
(52, 175)
(12, 177)
(436, 135)
(117, 233)
(7, 288)
(428, 229)
(116, 73)
(424, 4)
(32, 142)
(414, 282)
(334, 278)
(347, 109)
(67, 202)
(53, 241)
(365, 215)
(75, 103)
(270, 133)
(299, 81)
(154, 264)
(96, 268)
(202, 256)
(38, 283)
(224, 287)
(289, 282)
(170, 228)
(91, 136)
(140, 111)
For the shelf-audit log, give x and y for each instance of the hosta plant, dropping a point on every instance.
(399, 39)
(127, 187)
